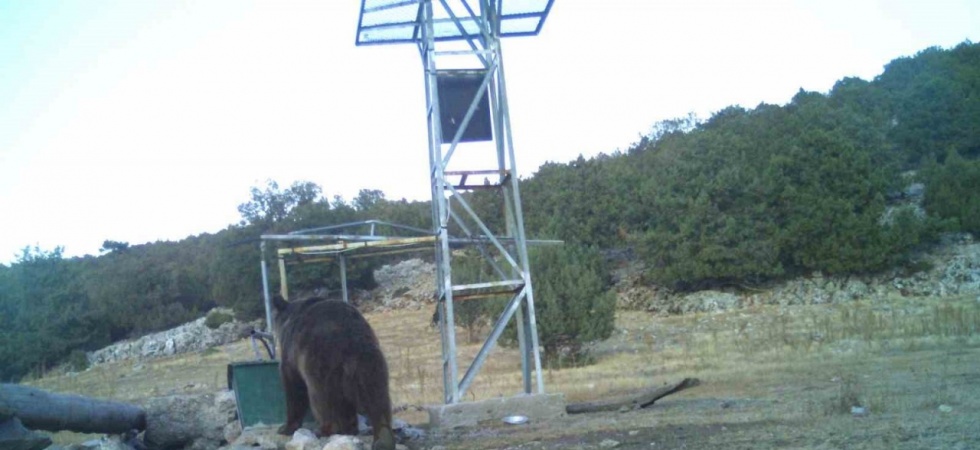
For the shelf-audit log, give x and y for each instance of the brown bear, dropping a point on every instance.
(330, 361)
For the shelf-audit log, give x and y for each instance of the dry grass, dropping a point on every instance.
(825, 358)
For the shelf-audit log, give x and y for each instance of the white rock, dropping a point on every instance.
(232, 431)
(341, 442)
(227, 404)
(303, 439)
(264, 438)
(609, 443)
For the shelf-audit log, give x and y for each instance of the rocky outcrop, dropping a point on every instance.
(951, 268)
(189, 337)
(408, 284)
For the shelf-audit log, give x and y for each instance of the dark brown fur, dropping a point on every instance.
(331, 362)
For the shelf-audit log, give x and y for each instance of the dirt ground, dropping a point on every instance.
(725, 424)
(778, 377)
(795, 415)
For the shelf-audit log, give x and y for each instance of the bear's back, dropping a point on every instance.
(322, 325)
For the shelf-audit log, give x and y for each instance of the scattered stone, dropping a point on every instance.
(634, 432)
(859, 411)
(945, 408)
(609, 443)
(405, 431)
(341, 442)
(712, 301)
(264, 438)
(303, 439)
(103, 443)
(226, 404)
(232, 431)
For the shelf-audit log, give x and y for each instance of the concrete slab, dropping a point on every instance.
(467, 414)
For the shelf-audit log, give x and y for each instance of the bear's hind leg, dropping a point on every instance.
(333, 412)
(346, 418)
(297, 402)
(374, 401)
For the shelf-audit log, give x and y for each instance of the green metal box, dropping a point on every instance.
(258, 391)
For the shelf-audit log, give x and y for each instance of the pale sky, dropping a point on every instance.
(150, 120)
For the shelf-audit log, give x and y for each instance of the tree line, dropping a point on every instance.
(746, 196)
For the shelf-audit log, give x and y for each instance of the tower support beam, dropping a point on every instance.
(461, 38)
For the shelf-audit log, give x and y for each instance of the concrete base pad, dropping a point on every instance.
(467, 414)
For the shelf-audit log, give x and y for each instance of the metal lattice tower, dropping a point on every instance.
(466, 105)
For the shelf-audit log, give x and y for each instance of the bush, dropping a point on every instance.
(217, 318)
(776, 191)
(77, 360)
(573, 303)
(474, 314)
(951, 192)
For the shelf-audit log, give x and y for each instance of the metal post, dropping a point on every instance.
(343, 273)
(496, 92)
(440, 210)
(283, 281)
(520, 237)
(265, 289)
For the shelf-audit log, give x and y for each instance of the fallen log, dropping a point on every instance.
(5, 411)
(42, 410)
(641, 400)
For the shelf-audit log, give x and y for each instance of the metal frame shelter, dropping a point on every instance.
(460, 39)
(336, 243)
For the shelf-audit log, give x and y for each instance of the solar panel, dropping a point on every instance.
(399, 21)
